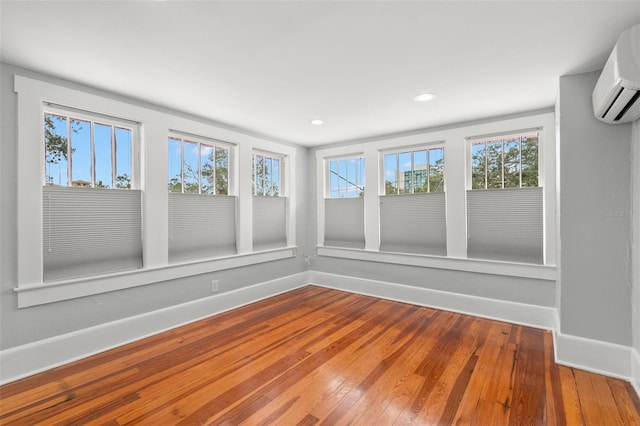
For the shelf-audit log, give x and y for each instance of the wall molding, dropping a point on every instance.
(37, 294)
(32, 358)
(593, 355)
(501, 310)
(480, 266)
(610, 359)
(635, 370)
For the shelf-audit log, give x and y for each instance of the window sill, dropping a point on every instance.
(41, 293)
(524, 270)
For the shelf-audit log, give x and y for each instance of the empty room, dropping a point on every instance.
(319, 212)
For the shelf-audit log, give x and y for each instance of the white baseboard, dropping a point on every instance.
(39, 356)
(517, 313)
(593, 355)
(635, 370)
(587, 354)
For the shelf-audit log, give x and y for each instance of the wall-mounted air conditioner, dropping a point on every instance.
(616, 97)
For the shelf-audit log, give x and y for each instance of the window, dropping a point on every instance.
(269, 202)
(346, 177)
(505, 203)
(82, 237)
(91, 214)
(198, 166)
(201, 212)
(416, 221)
(267, 171)
(87, 152)
(505, 162)
(415, 171)
(344, 209)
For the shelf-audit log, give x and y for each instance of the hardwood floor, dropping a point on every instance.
(320, 356)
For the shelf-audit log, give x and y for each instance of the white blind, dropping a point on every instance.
(414, 223)
(201, 226)
(269, 222)
(344, 222)
(505, 224)
(89, 231)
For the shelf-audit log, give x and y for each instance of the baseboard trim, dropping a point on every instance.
(596, 356)
(593, 355)
(517, 313)
(32, 358)
(587, 354)
(635, 370)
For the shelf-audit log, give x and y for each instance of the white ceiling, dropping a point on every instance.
(270, 67)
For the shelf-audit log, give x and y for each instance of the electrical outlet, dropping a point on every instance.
(214, 286)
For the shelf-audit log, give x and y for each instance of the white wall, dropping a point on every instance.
(594, 172)
(26, 325)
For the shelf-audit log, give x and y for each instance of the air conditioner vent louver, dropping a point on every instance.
(628, 106)
(616, 97)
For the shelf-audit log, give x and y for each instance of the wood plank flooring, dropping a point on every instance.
(320, 356)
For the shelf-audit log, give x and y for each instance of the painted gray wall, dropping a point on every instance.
(594, 222)
(21, 326)
(635, 251)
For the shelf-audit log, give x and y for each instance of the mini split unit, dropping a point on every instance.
(616, 97)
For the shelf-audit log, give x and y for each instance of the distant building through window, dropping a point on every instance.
(415, 171)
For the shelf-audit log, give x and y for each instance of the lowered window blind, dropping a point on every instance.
(413, 223)
(269, 222)
(201, 226)
(344, 222)
(90, 231)
(505, 224)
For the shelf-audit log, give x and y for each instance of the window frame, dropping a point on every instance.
(282, 166)
(210, 142)
(411, 149)
(327, 174)
(455, 138)
(473, 140)
(103, 119)
(155, 123)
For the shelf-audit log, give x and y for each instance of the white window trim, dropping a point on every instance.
(481, 266)
(154, 128)
(37, 294)
(457, 158)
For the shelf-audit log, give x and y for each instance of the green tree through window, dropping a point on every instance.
(197, 167)
(88, 152)
(510, 162)
(267, 175)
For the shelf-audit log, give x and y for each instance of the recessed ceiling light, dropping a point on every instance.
(424, 97)
(317, 122)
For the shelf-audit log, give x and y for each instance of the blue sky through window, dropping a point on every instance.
(84, 151)
(346, 178)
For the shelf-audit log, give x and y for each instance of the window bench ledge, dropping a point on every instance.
(41, 293)
(523, 270)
